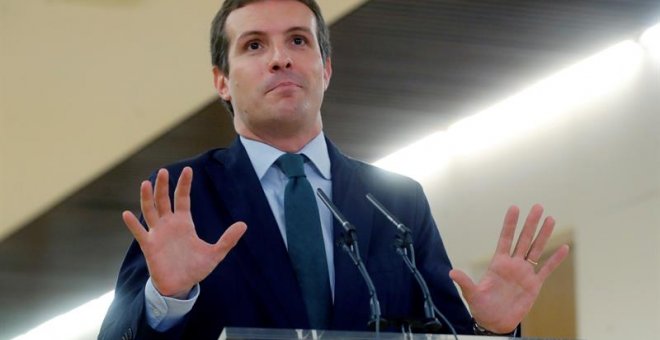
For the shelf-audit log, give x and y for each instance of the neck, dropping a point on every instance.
(288, 137)
(292, 143)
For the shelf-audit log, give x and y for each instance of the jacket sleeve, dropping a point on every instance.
(126, 318)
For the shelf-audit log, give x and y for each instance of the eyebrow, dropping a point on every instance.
(290, 30)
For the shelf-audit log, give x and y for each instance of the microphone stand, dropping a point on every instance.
(349, 243)
(404, 247)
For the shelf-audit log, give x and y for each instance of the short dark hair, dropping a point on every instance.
(220, 41)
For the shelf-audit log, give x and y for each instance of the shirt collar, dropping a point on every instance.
(262, 156)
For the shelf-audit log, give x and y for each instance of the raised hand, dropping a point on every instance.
(176, 257)
(507, 291)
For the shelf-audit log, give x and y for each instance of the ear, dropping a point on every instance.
(327, 72)
(221, 83)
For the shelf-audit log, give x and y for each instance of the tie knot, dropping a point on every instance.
(291, 164)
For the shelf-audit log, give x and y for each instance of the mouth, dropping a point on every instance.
(284, 85)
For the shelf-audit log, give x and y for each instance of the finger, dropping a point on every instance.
(229, 239)
(528, 231)
(553, 262)
(463, 281)
(508, 230)
(136, 228)
(147, 204)
(162, 193)
(541, 239)
(182, 191)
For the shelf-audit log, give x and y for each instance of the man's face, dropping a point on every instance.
(276, 74)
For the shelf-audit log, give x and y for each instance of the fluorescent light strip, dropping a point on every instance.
(421, 158)
(548, 100)
(78, 323)
(539, 105)
(650, 39)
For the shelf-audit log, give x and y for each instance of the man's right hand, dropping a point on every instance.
(176, 257)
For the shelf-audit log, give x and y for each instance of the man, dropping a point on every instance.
(196, 268)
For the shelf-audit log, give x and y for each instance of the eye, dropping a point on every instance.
(299, 41)
(253, 45)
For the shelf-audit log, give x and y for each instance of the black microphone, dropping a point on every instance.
(404, 247)
(349, 243)
(348, 227)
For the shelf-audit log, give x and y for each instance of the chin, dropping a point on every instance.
(290, 112)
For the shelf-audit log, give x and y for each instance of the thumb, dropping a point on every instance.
(463, 281)
(229, 239)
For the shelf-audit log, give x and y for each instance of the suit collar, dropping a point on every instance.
(262, 156)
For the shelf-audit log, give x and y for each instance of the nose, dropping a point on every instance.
(279, 60)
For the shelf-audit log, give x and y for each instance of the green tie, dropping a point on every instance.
(305, 240)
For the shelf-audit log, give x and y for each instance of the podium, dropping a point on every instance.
(235, 333)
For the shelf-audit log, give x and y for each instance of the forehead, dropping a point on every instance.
(269, 17)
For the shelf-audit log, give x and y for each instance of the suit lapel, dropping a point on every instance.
(348, 194)
(240, 190)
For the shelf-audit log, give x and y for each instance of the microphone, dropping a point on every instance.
(404, 247)
(349, 243)
(348, 227)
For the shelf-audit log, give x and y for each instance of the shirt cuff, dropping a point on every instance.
(164, 312)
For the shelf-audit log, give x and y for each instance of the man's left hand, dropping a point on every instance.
(513, 280)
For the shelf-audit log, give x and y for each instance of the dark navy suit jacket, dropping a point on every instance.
(255, 285)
